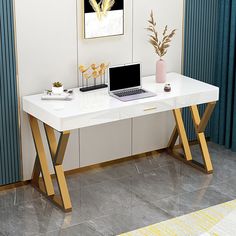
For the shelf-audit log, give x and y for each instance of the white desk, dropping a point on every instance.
(97, 107)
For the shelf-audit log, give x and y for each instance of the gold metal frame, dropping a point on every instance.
(200, 126)
(57, 151)
(99, 37)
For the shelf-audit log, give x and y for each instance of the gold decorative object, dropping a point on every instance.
(95, 72)
(102, 7)
(160, 44)
(87, 76)
(83, 69)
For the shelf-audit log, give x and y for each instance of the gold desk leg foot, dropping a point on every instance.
(57, 154)
(200, 125)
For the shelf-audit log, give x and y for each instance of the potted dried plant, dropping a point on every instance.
(57, 88)
(160, 46)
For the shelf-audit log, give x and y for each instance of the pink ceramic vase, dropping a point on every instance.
(161, 71)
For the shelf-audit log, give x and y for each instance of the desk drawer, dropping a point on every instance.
(91, 120)
(104, 117)
(145, 109)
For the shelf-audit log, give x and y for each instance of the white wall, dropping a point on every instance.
(166, 12)
(134, 46)
(50, 46)
(47, 51)
(115, 50)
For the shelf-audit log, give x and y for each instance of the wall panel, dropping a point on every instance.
(201, 24)
(166, 12)
(115, 50)
(9, 125)
(51, 45)
(152, 132)
(105, 142)
(47, 52)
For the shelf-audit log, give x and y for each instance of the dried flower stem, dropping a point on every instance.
(162, 45)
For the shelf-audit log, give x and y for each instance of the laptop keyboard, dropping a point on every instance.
(129, 92)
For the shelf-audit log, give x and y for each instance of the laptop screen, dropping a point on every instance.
(123, 77)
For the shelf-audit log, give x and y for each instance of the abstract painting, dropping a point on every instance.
(103, 18)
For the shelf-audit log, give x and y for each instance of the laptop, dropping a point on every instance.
(125, 83)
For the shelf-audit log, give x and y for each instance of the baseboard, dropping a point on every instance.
(15, 185)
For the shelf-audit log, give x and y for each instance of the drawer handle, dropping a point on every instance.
(150, 109)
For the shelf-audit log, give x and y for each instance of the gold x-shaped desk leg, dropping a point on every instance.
(57, 151)
(200, 126)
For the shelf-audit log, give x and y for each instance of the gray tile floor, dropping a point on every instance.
(122, 197)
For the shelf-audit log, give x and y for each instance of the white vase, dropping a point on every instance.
(160, 71)
(57, 90)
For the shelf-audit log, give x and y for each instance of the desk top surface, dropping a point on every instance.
(97, 107)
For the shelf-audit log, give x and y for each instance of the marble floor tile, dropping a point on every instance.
(31, 218)
(5, 217)
(78, 181)
(98, 200)
(103, 197)
(224, 170)
(147, 163)
(83, 229)
(122, 197)
(121, 170)
(152, 161)
(193, 183)
(91, 202)
(193, 201)
(228, 187)
(129, 219)
(91, 177)
(154, 185)
(19, 195)
(213, 147)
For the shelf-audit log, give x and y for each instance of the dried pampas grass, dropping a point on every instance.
(96, 7)
(160, 45)
(107, 5)
(102, 7)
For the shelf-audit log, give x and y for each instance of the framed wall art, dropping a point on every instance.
(103, 18)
